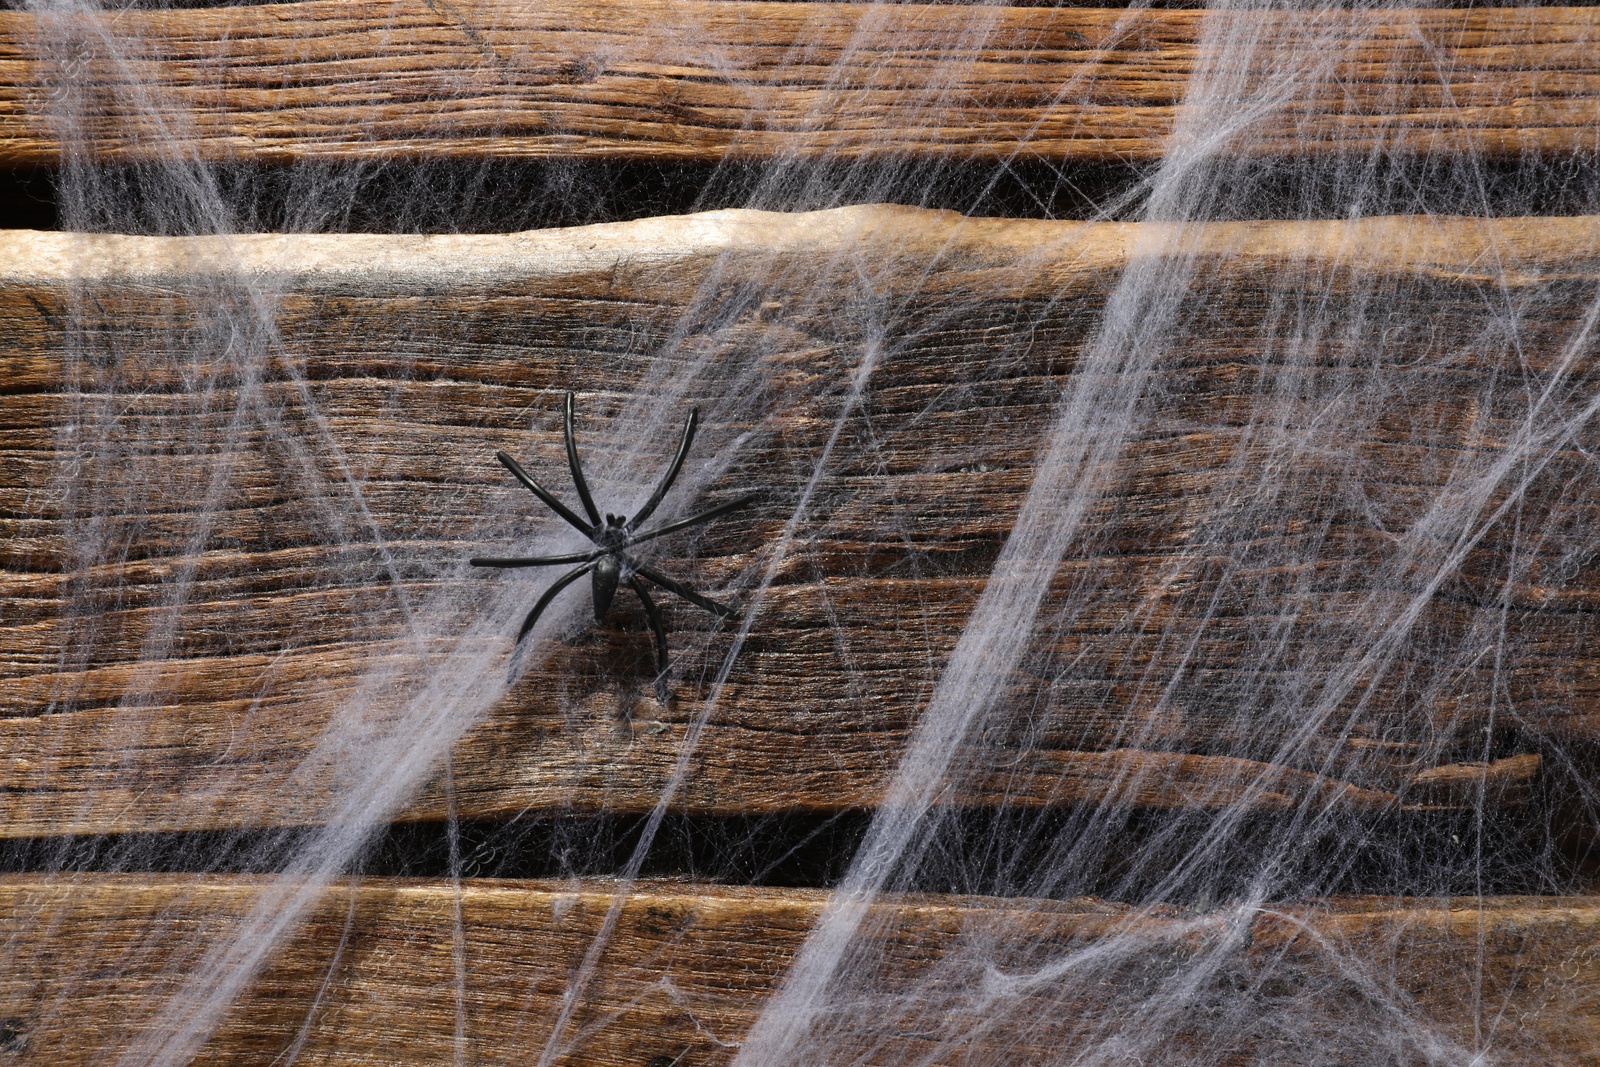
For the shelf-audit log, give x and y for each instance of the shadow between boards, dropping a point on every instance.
(510, 196)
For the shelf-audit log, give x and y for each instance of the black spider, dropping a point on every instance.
(608, 561)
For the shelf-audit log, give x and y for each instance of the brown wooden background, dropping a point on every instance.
(821, 699)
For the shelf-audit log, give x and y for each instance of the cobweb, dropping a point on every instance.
(1200, 567)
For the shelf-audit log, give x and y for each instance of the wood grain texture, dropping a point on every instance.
(709, 80)
(191, 595)
(372, 977)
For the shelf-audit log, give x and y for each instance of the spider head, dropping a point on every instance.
(612, 534)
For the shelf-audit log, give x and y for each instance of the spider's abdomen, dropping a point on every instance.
(606, 573)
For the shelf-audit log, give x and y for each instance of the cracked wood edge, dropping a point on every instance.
(371, 977)
(1021, 257)
(215, 743)
(708, 80)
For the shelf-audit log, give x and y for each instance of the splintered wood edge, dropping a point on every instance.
(709, 80)
(1505, 249)
(373, 973)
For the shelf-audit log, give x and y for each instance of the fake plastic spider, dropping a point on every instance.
(609, 561)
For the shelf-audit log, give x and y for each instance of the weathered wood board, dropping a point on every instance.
(190, 594)
(372, 978)
(711, 80)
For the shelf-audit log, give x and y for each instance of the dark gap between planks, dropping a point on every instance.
(1545, 846)
(508, 196)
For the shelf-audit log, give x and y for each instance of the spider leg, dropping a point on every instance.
(695, 520)
(550, 594)
(672, 471)
(654, 613)
(533, 561)
(577, 468)
(673, 586)
(539, 491)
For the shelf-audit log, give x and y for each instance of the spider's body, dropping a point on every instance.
(609, 563)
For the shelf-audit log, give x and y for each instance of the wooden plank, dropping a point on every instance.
(707, 80)
(373, 976)
(187, 610)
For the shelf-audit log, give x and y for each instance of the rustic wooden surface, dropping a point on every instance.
(715, 79)
(372, 978)
(168, 665)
